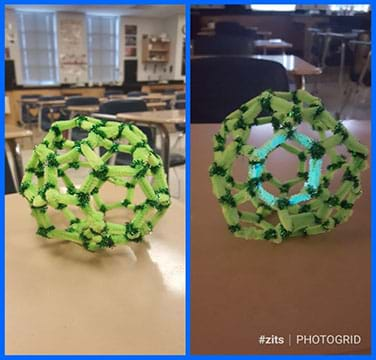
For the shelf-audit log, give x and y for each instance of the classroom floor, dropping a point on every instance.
(326, 87)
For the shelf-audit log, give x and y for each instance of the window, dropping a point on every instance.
(349, 7)
(275, 7)
(38, 47)
(103, 48)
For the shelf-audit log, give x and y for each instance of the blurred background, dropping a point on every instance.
(63, 60)
(323, 48)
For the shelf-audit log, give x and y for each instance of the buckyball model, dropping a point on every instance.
(314, 209)
(55, 155)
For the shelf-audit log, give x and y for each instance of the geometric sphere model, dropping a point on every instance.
(46, 183)
(313, 210)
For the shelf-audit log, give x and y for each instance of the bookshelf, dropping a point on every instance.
(155, 49)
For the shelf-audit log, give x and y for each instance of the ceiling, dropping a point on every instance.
(158, 11)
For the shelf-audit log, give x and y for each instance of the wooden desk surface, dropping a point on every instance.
(62, 299)
(272, 44)
(263, 33)
(206, 33)
(36, 101)
(243, 289)
(28, 101)
(84, 108)
(16, 132)
(52, 103)
(154, 117)
(156, 105)
(154, 96)
(293, 64)
(347, 36)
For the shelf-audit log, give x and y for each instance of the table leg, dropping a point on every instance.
(165, 153)
(342, 65)
(15, 150)
(40, 118)
(21, 120)
(364, 69)
(325, 51)
(299, 82)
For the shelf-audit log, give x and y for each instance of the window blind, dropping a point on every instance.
(103, 48)
(38, 47)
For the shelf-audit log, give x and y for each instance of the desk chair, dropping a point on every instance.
(220, 84)
(177, 159)
(180, 128)
(360, 72)
(136, 94)
(10, 187)
(223, 45)
(123, 106)
(179, 104)
(51, 113)
(77, 133)
(168, 92)
(81, 100)
(110, 92)
(29, 112)
(180, 96)
(234, 29)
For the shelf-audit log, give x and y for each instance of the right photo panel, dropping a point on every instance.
(280, 179)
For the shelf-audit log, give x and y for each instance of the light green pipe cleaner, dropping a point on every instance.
(314, 209)
(52, 158)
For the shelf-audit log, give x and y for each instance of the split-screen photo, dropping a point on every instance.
(187, 179)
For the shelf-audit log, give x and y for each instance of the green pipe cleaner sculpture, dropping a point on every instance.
(312, 211)
(52, 158)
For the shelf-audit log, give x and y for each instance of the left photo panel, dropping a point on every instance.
(95, 179)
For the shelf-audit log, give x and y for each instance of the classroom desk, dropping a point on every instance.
(12, 134)
(159, 119)
(48, 104)
(272, 44)
(62, 299)
(159, 97)
(156, 105)
(160, 87)
(344, 38)
(40, 105)
(82, 109)
(243, 289)
(152, 98)
(264, 34)
(294, 65)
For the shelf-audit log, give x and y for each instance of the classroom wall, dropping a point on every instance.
(150, 26)
(175, 25)
(12, 42)
(155, 26)
(72, 51)
(72, 45)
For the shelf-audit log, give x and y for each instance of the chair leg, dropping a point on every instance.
(346, 99)
(178, 139)
(177, 177)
